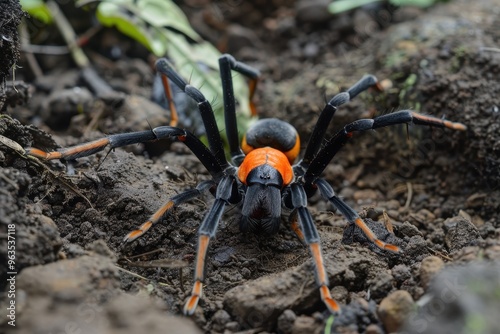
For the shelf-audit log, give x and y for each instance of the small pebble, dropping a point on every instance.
(286, 321)
(304, 325)
(401, 273)
(428, 269)
(340, 293)
(459, 232)
(373, 329)
(233, 326)
(395, 309)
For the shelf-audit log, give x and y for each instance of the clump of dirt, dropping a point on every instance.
(436, 191)
(10, 18)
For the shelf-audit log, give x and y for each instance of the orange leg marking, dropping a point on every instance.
(318, 261)
(326, 297)
(68, 152)
(43, 155)
(174, 119)
(448, 124)
(330, 303)
(147, 225)
(370, 235)
(200, 259)
(193, 300)
(455, 126)
(161, 212)
(298, 232)
(131, 236)
(196, 293)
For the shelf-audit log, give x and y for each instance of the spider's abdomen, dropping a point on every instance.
(267, 166)
(275, 133)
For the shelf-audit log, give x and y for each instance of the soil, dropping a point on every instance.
(438, 189)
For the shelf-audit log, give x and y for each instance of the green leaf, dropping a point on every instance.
(164, 29)
(340, 6)
(37, 9)
(146, 21)
(187, 59)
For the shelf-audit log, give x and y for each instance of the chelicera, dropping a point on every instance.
(263, 175)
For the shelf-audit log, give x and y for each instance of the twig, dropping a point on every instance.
(446, 257)
(53, 50)
(160, 263)
(139, 276)
(37, 71)
(485, 48)
(99, 105)
(68, 34)
(410, 195)
(13, 145)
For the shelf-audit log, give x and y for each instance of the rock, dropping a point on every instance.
(220, 319)
(61, 105)
(339, 293)
(260, 302)
(313, 11)
(409, 230)
(373, 329)
(129, 314)
(395, 309)
(70, 279)
(401, 273)
(430, 266)
(286, 321)
(83, 295)
(460, 232)
(305, 325)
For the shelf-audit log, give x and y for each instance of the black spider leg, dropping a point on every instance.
(297, 199)
(227, 192)
(351, 215)
(326, 116)
(167, 207)
(226, 64)
(123, 139)
(325, 155)
(327, 152)
(214, 140)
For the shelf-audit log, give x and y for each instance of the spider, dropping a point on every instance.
(262, 176)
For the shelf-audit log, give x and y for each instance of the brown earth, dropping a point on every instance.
(439, 188)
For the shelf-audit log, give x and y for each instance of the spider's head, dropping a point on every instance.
(264, 171)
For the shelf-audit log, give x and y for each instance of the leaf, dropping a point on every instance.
(199, 63)
(164, 29)
(146, 21)
(37, 9)
(122, 16)
(340, 6)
